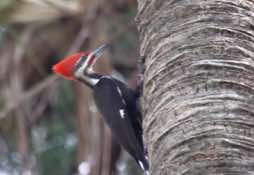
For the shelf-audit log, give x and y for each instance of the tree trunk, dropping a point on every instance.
(199, 85)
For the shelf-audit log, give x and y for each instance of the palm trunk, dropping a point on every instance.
(199, 85)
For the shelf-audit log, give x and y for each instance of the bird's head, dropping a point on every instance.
(76, 65)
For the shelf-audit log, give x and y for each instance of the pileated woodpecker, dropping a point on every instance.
(117, 103)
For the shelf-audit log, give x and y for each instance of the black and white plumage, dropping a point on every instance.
(118, 106)
(117, 103)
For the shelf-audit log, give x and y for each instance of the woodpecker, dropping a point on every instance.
(117, 103)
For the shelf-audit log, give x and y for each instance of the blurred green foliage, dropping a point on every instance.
(5, 7)
(53, 140)
(5, 4)
(66, 103)
(57, 155)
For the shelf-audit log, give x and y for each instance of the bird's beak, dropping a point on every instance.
(93, 57)
(98, 51)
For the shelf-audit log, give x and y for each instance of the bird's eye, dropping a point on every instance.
(79, 63)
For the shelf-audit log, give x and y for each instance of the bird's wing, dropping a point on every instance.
(133, 109)
(111, 104)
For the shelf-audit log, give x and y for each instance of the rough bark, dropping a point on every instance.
(199, 85)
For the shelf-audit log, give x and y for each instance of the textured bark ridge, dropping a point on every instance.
(199, 85)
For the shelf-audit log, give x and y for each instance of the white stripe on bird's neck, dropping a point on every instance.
(83, 75)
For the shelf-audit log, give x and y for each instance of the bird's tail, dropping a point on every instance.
(144, 165)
